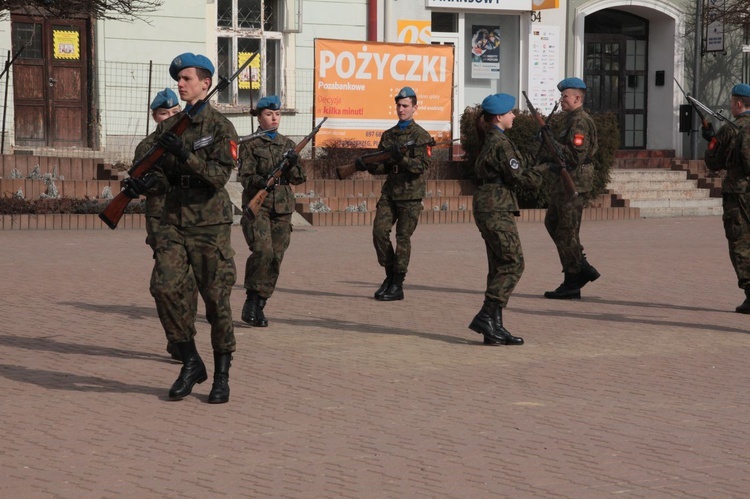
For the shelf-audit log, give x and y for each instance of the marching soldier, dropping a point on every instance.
(729, 150)
(268, 234)
(400, 200)
(194, 236)
(578, 143)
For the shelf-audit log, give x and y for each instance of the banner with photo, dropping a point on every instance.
(250, 76)
(485, 52)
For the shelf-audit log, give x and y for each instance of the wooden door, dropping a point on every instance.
(50, 82)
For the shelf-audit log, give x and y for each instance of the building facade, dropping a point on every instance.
(86, 84)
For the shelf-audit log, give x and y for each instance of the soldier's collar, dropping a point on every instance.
(403, 124)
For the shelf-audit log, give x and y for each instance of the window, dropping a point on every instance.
(245, 27)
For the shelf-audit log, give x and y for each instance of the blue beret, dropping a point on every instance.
(405, 92)
(271, 102)
(166, 99)
(571, 83)
(741, 90)
(498, 103)
(188, 60)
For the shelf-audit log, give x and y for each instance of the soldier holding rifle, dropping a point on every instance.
(195, 228)
(400, 200)
(268, 232)
(729, 149)
(499, 168)
(578, 143)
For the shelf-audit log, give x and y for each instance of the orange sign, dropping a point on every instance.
(356, 82)
(545, 4)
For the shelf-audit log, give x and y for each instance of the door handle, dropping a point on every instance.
(52, 82)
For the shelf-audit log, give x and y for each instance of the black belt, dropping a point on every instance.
(493, 180)
(189, 182)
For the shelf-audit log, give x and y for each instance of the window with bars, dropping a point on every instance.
(245, 27)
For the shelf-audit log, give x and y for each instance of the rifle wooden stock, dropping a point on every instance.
(347, 170)
(112, 213)
(567, 181)
(252, 208)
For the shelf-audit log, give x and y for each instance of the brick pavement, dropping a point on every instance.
(639, 389)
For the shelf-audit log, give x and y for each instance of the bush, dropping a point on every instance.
(522, 134)
(49, 206)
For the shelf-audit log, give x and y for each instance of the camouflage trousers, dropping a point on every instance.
(190, 256)
(563, 223)
(504, 253)
(736, 220)
(268, 237)
(405, 215)
(152, 229)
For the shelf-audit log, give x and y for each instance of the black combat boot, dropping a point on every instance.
(396, 290)
(587, 274)
(220, 389)
(193, 371)
(173, 351)
(744, 307)
(260, 317)
(249, 309)
(568, 290)
(484, 323)
(386, 284)
(501, 331)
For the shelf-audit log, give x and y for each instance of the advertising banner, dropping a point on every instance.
(485, 52)
(356, 82)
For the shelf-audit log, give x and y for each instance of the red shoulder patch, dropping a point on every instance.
(578, 139)
(233, 149)
(429, 151)
(712, 145)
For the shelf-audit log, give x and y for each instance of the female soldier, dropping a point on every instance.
(268, 233)
(498, 169)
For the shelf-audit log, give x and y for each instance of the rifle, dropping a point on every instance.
(255, 135)
(554, 148)
(252, 208)
(113, 211)
(701, 108)
(372, 158)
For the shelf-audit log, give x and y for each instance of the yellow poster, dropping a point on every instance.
(66, 45)
(250, 76)
(545, 4)
(356, 82)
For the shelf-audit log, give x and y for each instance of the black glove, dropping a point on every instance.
(708, 132)
(292, 157)
(173, 144)
(360, 165)
(396, 154)
(555, 168)
(138, 186)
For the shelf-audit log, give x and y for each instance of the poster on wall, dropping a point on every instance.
(250, 76)
(66, 44)
(414, 31)
(355, 83)
(544, 67)
(485, 52)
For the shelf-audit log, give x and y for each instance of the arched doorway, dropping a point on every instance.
(616, 71)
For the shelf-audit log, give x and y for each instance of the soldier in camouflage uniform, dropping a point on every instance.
(268, 233)
(729, 150)
(165, 105)
(499, 168)
(195, 230)
(400, 200)
(578, 143)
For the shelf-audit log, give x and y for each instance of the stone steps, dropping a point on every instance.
(663, 193)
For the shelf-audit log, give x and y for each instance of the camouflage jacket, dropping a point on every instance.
(730, 151)
(404, 180)
(258, 158)
(578, 143)
(195, 189)
(154, 202)
(499, 167)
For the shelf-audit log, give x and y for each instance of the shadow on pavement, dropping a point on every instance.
(47, 344)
